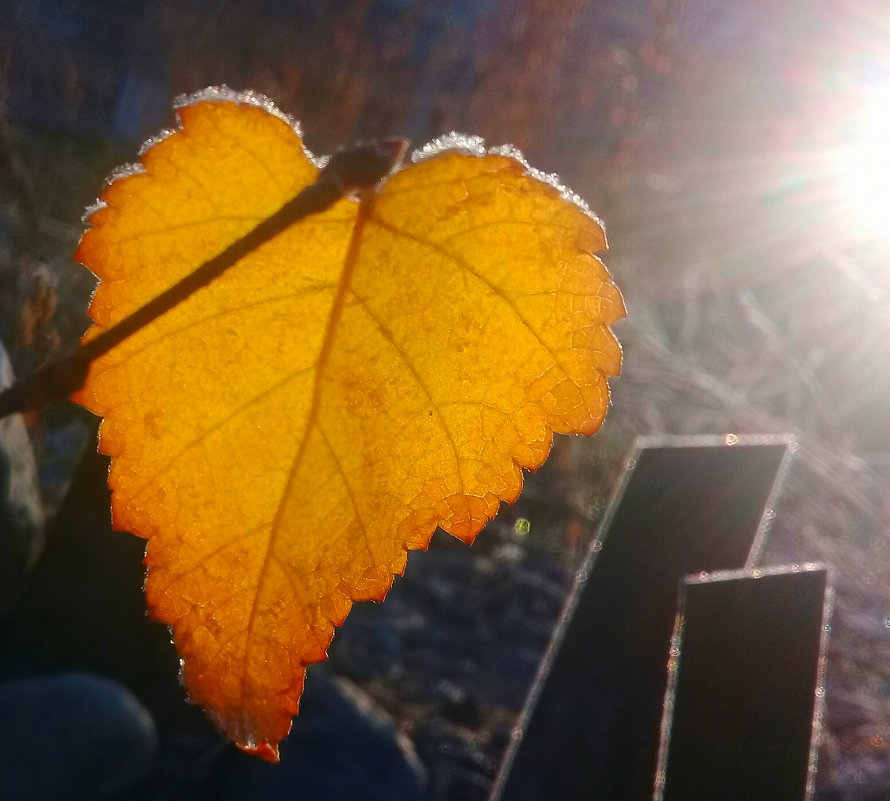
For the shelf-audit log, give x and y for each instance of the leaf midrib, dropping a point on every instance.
(333, 323)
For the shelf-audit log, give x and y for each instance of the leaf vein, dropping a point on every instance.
(464, 265)
(215, 552)
(216, 426)
(209, 318)
(334, 316)
(285, 570)
(400, 352)
(349, 491)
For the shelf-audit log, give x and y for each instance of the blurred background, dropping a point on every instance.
(738, 155)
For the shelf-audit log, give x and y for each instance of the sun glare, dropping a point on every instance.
(867, 167)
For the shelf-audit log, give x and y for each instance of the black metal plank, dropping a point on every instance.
(591, 726)
(739, 713)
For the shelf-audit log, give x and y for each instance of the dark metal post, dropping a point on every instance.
(590, 731)
(746, 679)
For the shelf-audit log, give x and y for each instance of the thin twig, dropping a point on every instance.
(356, 169)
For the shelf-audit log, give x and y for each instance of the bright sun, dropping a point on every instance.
(866, 166)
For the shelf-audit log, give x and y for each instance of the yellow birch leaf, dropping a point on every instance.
(285, 435)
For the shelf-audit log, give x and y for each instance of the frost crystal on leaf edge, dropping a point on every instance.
(475, 145)
(468, 143)
(211, 94)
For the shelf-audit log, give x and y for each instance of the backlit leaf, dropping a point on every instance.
(286, 435)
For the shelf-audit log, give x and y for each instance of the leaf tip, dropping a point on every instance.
(264, 750)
